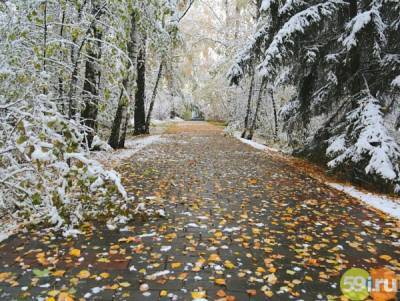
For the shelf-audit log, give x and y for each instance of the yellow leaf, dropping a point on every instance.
(104, 275)
(308, 238)
(229, 265)
(53, 293)
(125, 284)
(170, 236)
(58, 273)
(272, 270)
(104, 260)
(269, 293)
(214, 257)
(198, 295)
(74, 281)
(83, 274)
(218, 234)
(385, 257)
(220, 281)
(271, 279)
(241, 274)
(65, 297)
(253, 181)
(260, 270)
(163, 293)
(176, 265)
(75, 252)
(114, 287)
(4, 276)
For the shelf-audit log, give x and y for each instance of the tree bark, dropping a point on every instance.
(91, 84)
(113, 141)
(140, 96)
(248, 110)
(121, 119)
(271, 91)
(153, 97)
(124, 127)
(60, 79)
(45, 27)
(254, 123)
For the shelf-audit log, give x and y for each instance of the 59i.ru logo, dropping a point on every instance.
(381, 284)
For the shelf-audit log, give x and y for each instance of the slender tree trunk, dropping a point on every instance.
(237, 20)
(74, 74)
(45, 35)
(140, 96)
(254, 123)
(91, 89)
(124, 127)
(113, 141)
(153, 97)
(121, 119)
(92, 81)
(397, 125)
(271, 91)
(60, 79)
(354, 58)
(248, 110)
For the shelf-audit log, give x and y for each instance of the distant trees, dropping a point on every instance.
(343, 61)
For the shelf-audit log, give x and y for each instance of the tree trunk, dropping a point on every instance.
(140, 96)
(153, 97)
(60, 79)
(254, 123)
(91, 84)
(121, 119)
(45, 27)
(74, 74)
(271, 91)
(354, 58)
(125, 125)
(113, 141)
(248, 110)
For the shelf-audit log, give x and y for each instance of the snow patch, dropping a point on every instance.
(379, 202)
(132, 146)
(254, 144)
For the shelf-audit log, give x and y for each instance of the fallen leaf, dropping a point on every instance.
(75, 252)
(84, 274)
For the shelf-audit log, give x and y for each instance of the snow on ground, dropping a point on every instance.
(379, 202)
(8, 228)
(132, 146)
(254, 144)
(161, 122)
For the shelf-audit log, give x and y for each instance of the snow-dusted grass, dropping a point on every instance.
(132, 146)
(379, 202)
(8, 228)
(254, 144)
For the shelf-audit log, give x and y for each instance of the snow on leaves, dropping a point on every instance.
(279, 48)
(368, 138)
(360, 23)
